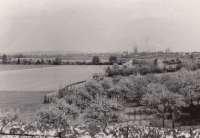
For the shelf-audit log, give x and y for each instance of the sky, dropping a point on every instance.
(99, 25)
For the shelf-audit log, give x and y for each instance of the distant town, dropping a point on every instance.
(122, 54)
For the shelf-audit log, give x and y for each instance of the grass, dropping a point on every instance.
(45, 79)
(8, 67)
(27, 102)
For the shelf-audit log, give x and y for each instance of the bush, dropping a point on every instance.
(9, 115)
(103, 111)
(58, 113)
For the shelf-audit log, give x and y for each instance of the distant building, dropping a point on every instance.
(135, 49)
(168, 50)
(125, 53)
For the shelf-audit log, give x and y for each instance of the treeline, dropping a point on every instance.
(58, 61)
(171, 96)
(25, 61)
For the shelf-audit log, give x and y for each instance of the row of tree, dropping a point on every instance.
(58, 61)
(97, 61)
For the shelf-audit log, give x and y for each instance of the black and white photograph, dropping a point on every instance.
(99, 68)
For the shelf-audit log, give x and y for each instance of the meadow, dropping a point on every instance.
(46, 78)
(8, 67)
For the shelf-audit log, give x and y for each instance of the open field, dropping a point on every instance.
(45, 79)
(21, 67)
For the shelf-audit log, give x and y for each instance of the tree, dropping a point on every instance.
(42, 61)
(157, 98)
(19, 56)
(115, 69)
(38, 62)
(80, 98)
(175, 101)
(126, 88)
(94, 89)
(192, 58)
(24, 61)
(4, 58)
(30, 61)
(188, 82)
(139, 86)
(108, 71)
(18, 61)
(113, 59)
(95, 60)
(60, 113)
(164, 101)
(57, 61)
(177, 60)
(103, 111)
(9, 115)
(143, 53)
(49, 62)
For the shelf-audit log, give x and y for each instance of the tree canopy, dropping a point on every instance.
(95, 60)
(113, 59)
(4, 58)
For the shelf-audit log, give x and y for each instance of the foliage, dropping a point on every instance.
(139, 62)
(103, 111)
(4, 58)
(167, 93)
(19, 56)
(95, 60)
(57, 61)
(172, 61)
(139, 87)
(9, 115)
(18, 61)
(156, 97)
(81, 98)
(24, 61)
(164, 101)
(138, 67)
(113, 59)
(58, 113)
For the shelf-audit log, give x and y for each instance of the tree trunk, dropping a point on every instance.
(138, 101)
(163, 120)
(104, 129)
(172, 120)
(127, 131)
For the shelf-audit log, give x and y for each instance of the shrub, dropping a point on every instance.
(9, 115)
(103, 111)
(59, 113)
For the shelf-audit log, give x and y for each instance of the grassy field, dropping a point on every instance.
(45, 79)
(21, 67)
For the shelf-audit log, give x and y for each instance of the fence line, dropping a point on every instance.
(48, 97)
